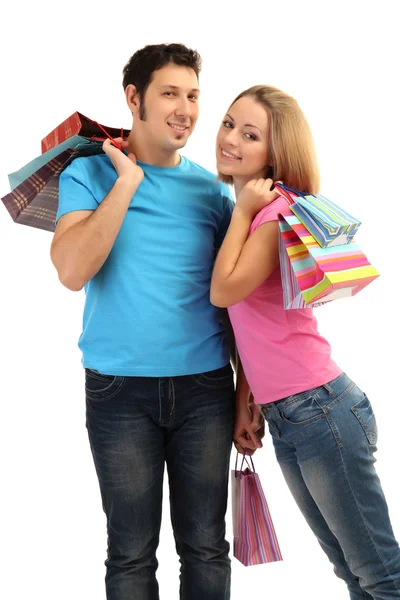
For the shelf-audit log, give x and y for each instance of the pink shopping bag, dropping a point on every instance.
(254, 537)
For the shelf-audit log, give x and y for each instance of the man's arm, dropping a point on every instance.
(225, 320)
(83, 239)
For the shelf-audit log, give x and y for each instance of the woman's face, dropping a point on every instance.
(242, 141)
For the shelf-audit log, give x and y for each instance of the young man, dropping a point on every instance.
(139, 230)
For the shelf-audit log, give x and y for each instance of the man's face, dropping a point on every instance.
(170, 108)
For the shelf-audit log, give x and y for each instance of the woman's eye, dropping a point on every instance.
(227, 124)
(250, 136)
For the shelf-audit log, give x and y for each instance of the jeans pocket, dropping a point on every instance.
(301, 409)
(101, 387)
(218, 378)
(366, 417)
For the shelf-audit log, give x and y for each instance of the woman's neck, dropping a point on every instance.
(239, 183)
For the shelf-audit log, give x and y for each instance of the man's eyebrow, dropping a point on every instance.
(246, 124)
(175, 87)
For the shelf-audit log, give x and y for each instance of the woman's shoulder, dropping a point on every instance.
(270, 212)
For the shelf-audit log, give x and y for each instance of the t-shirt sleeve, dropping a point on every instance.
(270, 213)
(74, 192)
(227, 209)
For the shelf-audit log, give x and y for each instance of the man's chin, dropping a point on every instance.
(176, 143)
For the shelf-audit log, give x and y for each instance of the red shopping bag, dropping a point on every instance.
(79, 125)
(254, 537)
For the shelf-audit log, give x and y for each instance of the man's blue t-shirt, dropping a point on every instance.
(147, 311)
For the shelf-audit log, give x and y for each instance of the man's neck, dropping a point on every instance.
(152, 155)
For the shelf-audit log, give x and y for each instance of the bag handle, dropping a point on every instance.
(244, 459)
(284, 187)
(284, 192)
(113, 142)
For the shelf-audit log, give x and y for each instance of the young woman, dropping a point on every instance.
(323, 427)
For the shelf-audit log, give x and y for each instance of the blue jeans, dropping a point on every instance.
(325, 441)
(135, 426)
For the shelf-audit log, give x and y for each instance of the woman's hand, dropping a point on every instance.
(255, 195)
(249, 428)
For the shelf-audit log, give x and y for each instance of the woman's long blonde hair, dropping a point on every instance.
(291, 146)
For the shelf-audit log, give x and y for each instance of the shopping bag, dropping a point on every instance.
(312, 275)
(254, 537)
(329, 224)
(33, 199)
(79, 125)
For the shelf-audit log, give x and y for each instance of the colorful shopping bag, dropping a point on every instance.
(79, 125)
(254, 540)
(312, 275)
(329, 224)
(33, 199)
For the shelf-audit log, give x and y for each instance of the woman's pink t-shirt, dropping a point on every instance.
(282, 352)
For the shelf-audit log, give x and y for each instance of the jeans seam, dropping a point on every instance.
(362, 518)
(172, 389)
(89, 393)
(327, 407)
(159, 401)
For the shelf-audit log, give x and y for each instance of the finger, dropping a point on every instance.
(259, 185)
(242, 450)
(252, 183)
(132, 157)
(109, 145)
(238, 447)
(249, 440)
(119, 140)
(261, 431)
(117, 143)
(275, 184)
(257, 419)
(267, 185)
(245, 442)
(253, 436)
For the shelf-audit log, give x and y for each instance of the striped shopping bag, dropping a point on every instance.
(312, 275)
(254, 537)
(327, 222)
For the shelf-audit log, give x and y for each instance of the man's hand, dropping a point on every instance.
(127, 168)
(249, 429)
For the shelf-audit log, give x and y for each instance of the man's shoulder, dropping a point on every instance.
(90, 163)
(88, 169)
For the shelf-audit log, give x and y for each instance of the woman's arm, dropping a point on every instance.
(244, 262)
(249, 422)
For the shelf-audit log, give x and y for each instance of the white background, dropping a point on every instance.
(340, 60)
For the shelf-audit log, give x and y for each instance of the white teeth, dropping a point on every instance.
(177, 127)
(225, 153)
